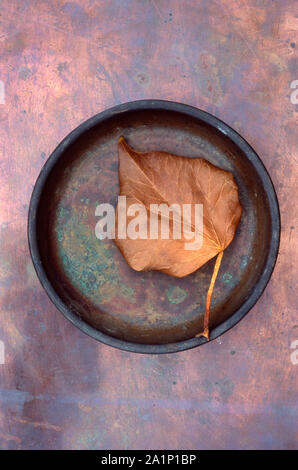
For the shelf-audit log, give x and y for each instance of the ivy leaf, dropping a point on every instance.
(154, 178)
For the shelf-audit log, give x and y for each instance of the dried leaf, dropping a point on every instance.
(159, 177)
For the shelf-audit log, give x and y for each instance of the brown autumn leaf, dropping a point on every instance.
(158, 177)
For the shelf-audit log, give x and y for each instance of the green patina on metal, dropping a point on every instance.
(227, 278)
(88, 262)
(84, 200)
(176, 295)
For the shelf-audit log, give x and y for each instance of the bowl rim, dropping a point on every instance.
(223, 128)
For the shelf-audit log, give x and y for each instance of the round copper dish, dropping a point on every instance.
(90, 282)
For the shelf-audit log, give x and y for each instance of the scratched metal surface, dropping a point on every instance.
(62, 62)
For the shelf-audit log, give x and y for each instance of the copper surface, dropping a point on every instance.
(62, 62)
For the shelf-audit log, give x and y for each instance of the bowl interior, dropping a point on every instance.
(91, 276)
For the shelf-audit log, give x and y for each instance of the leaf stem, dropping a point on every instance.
(209, 295)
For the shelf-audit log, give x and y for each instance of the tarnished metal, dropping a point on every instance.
(62, 62)
(89, 279)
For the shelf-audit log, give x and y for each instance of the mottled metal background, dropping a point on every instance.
(62, 62)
